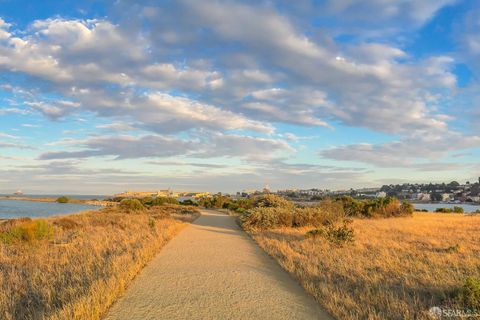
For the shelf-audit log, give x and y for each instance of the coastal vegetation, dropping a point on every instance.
(75, 267)
(455, 209)
(371, 259)
(63, 200)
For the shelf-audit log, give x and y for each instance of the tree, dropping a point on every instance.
(435, 196)
(454, 184)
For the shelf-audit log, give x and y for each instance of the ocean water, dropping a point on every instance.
(19, 208)
(434, 206)
(74, 196)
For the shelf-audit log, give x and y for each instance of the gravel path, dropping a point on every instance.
(213, 270)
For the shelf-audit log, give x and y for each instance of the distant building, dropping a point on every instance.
(421, 196)
(381, 194)
(446, 197)
(161, 193)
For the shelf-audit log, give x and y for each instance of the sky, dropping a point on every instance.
(98, 97)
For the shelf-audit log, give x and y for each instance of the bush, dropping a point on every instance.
(160, 201)
(62, 200)
(147, 201)
(152, 223)
(240, 210)
(444, 210)
(132, 205)
(338, 235)
(239, 205)
(457, 209)
(370, 208)
(28, 232)
(327, 212)
(469, 295)
(267, 218)
(406, 208)
(271, 200)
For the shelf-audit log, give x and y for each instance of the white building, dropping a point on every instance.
(421, 196)
(446, 197)
(381, 194)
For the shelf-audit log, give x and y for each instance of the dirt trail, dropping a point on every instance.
(213, 270)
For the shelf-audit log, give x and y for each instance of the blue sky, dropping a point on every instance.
(105, 96)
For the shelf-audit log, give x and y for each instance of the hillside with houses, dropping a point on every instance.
(468, 192)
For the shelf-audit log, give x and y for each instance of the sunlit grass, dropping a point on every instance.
(396, 269)
(80, 268)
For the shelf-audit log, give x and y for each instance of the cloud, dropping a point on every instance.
(125, 147)
(358, 81)
(8, 136)
(188, 164)
(117, 126)
(404, 153)
(14, 145)
(214, 82)
(466, 35)
(208, 145)
(253, 148)
(396, 13)
(54, 110)
(322, 83)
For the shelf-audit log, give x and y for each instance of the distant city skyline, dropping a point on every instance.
(103, 97)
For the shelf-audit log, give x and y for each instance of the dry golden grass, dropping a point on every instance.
(87, 263)
(397, 268)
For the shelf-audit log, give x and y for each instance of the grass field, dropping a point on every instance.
(74, 267)
(397, 268)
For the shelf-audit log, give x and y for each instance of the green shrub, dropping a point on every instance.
(238, 205)
(272, 200)
(444, 210)
(160, 201)
(406, 208)
(28, 232)
(457, 209)
(240, 210)
(269, 217)
(215, 201)
(381, 207)
(147, 201)
(338, 235)
(469, 294)
(132, 205)
(151, 223)
(62, 200)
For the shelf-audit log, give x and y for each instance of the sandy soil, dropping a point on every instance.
(213, 270)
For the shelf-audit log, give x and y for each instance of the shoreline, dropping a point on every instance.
(100, 203)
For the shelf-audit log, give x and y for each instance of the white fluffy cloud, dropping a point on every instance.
(222, 78)
(345, 84)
